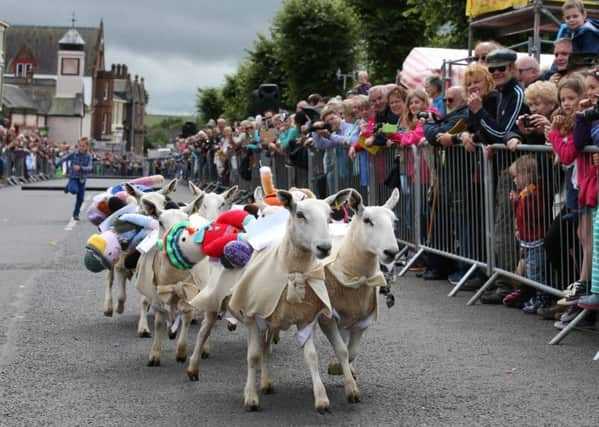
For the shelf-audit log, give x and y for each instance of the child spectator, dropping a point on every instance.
(561, 135)
(583, 31)
(530, 225)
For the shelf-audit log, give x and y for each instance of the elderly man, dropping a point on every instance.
(562, 49)
(528, 70)
(436, 133)
(482, 49)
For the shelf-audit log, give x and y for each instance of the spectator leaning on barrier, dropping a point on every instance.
(436, 132)
(571, 91)
(79, 164)
(529, 70)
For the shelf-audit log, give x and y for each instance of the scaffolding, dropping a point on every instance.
(536, 17)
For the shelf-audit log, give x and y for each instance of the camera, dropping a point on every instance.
(591, 114)
(316, 126)
(428, 115)
(527, 122)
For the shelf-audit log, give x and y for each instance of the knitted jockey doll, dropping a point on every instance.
(225, 238)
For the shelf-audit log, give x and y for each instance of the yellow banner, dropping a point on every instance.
(479, 7)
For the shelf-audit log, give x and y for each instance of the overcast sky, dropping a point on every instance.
(176, 46)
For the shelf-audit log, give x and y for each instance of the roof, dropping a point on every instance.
(15, 98)
(43, 43)
(71, 37)
(67, 106)
(41, 91)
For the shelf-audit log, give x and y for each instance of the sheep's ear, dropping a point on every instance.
(171, 187)
(356, 202)
(392, 200)
(339, 198)
(229, 194)
(287, 200)
(259, 197)
(195, 190)
(158, 210)
(133, 191)
(194, 205)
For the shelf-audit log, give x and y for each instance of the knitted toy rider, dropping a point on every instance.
(225, 238)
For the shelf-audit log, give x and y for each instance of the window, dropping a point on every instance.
(70, 67)
(20, 70)
(27, 69)
(105, 123)
(105, 91)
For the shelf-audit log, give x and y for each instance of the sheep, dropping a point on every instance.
(167, 287)
(352, 278)
(282, 286)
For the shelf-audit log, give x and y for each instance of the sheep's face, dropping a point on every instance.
(214, 204)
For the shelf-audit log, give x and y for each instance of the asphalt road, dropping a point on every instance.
(428, 361)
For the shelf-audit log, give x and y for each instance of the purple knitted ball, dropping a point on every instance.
(238, 252)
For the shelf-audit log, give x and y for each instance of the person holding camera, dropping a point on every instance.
(329, 134)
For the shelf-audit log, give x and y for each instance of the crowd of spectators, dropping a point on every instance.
(501, 100)
(26, 155)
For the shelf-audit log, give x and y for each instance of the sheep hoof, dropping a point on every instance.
(267, 389)
(172, 335)
(205, 355)
(144, 334)
(251, 406)
(154, 361)
(193, 376)
(108, 313)
(323, 407)
(181, 358)
(120, 307)
(231, 326)
(335, 369)
(194, 321)
(353, 396)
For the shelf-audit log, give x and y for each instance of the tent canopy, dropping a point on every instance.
(424, 61)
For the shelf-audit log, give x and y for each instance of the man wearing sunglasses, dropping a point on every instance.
(501, 63)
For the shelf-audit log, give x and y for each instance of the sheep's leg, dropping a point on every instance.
(321, 400)
(265, 382)
(183, 333)
(143, 330)
(121, 296)
(108, 293)
(331, 331)
(354, 343)
(159, 325)
(198, 351)
(251, 401)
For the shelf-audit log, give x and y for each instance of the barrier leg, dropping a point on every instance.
(410, 262)
(562, 334)
(484, 288)
(462, 280)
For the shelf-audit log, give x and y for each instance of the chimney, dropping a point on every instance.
(125, 70)
(118, 70)
(113, 69)
(136, 77)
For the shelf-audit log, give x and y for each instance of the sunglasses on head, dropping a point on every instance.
(501, 68)
(481, 58)
(448, 100)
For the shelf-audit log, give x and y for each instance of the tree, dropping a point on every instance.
(388, 33)
(444, 21)
(313, 39)
(209, 103)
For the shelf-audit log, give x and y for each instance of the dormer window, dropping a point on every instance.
(69, 67)
(22, 69)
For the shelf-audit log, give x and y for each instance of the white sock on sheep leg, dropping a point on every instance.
(321, 400)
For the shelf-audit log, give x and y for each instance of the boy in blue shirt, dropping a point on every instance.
(79, 164)
(583, 31)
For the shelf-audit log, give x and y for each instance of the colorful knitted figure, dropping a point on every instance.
(224, 238)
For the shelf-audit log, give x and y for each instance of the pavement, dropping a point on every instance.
(428, 361)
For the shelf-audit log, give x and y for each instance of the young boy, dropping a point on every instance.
(528, 203)
(583, 31)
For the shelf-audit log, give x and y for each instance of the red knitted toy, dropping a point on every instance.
(227, 227)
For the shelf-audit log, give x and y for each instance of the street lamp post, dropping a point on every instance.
(344, 76)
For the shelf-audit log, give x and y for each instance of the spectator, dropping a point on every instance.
(530, 225)
(562, 49)
(434, 88)
(437, 132)
(482, 49)
(79, 164)
(561, 135)
(363, 83)
(528, 70)
(583, 31)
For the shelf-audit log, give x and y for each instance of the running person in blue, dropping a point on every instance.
(79, 164)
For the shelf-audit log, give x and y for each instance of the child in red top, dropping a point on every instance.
(530, 226)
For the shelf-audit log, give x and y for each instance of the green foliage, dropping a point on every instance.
(388, 33)
(160, 130)
(209, 103)
(444, 21)
(313, 39)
